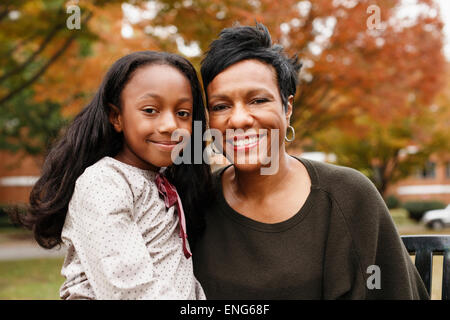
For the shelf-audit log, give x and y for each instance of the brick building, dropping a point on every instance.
(18, 173)
(432, 182)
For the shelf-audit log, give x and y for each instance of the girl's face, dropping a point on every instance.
(156, 101)
(245, 99)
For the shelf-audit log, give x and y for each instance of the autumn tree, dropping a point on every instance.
(393, 82)
(367, 68)
(351, 60)
(389, 152)
(35, 36)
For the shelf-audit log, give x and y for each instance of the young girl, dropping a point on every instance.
(102, 194)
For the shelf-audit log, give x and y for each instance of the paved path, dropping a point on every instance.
(27, 250)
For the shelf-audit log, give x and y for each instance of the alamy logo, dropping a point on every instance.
(74, 20)
(374, 20)
(374, 280)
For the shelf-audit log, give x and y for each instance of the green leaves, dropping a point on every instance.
(29, 126)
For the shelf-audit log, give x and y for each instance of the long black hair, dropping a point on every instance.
(91, 137)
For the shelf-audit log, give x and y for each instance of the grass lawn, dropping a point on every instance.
(38, 279)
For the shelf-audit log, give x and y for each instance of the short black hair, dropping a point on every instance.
(240, 43)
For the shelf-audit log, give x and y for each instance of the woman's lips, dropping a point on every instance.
(245, 142)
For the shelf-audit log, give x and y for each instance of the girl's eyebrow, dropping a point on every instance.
(149, 95)
(184, 99)
(158, 97)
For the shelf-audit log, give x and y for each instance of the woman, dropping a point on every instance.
(304, 229)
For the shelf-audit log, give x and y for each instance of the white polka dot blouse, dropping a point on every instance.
(123, 243)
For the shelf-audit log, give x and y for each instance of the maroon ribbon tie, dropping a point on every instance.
(171, 197)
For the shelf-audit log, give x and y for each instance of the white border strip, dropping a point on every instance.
(18, 181)
(424, 189)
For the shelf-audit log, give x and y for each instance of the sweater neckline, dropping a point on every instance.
(237, 217)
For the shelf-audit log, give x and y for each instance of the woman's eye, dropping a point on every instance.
(218, 107)
(259, 100)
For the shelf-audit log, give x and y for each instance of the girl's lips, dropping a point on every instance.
(164, 145)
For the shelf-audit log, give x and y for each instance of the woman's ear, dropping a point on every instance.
(288, 112)
(115, 117)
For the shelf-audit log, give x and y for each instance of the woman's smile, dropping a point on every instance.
(245, 142)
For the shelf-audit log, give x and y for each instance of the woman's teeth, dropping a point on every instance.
(244, 142)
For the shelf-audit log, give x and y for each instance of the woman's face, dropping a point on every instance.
(245, 105)
(156, 101)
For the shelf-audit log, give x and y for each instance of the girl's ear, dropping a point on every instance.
(289, 108)
(115, 118)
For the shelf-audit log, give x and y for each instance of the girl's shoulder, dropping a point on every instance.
(110, 173)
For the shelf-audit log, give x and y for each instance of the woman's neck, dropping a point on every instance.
(254, 185)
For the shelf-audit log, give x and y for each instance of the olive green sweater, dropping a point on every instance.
(342, 244)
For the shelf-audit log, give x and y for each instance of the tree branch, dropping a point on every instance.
(44, 68)
(32, 57)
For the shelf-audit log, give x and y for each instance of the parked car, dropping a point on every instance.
(437, 219)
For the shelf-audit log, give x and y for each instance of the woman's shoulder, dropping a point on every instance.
(336, 178)
(353, 195)
(350, 189)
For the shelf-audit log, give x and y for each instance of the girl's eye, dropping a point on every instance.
(150, 110)
(184, 114)
(219, 107)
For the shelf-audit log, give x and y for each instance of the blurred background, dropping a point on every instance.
(374, 95)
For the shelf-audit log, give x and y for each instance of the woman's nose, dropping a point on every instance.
(240, 117)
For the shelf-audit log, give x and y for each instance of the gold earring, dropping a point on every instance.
(293, 134)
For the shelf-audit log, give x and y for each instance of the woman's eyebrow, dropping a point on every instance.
(258, 91)
(218, 96)
(249, 93)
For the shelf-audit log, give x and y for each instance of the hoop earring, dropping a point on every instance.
(293, 134)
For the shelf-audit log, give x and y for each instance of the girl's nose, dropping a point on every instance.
(167, 123)
(240, 117)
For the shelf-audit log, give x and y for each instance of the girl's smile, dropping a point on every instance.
(165, 146)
